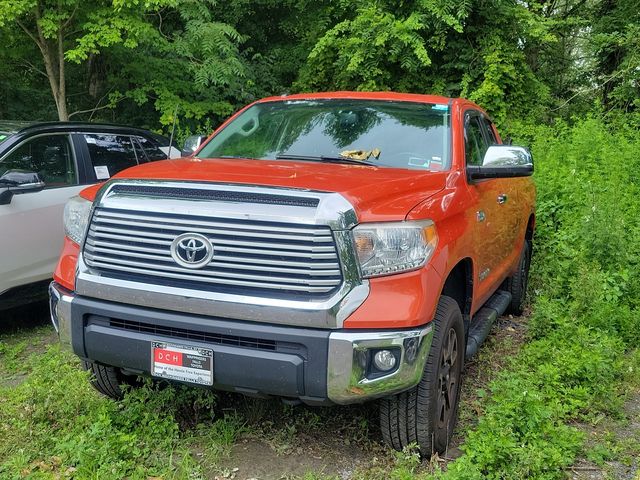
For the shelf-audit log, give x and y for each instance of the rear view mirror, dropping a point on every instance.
(15, 182)
(503, 161)
(192, 143)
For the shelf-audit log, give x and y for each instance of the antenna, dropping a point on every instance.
(173, 129)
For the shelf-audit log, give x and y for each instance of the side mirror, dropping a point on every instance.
(503, 161)
(16, 182)
(192, 143)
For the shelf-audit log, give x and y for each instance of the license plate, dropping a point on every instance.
(182, 362)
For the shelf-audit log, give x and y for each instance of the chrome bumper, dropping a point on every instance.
(348, 377)
(60, 300)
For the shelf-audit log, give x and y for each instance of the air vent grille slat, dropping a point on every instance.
(251, 257)
(206, 337)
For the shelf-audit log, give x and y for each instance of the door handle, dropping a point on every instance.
(502, 198)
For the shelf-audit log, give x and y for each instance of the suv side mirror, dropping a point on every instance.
(15, 182)
(192, 143)
(503, 161)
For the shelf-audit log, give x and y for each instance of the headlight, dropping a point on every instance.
(385, 248)
(76, 216)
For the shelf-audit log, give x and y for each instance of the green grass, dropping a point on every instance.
(53, 423)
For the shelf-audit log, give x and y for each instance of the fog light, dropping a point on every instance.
(384, 360)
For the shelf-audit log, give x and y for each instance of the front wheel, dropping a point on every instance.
(108, 380)
(426, 414)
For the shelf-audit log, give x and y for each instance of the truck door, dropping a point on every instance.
(493, 199)
(510, 202)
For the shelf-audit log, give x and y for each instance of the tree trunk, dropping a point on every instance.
(53, 56)
(55, 81)
(63, 115)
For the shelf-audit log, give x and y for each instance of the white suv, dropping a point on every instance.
(41, 167)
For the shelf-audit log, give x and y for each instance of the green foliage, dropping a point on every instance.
(437, 47)
(189, 66)
(615, 40)
(140, 62)
(10, 355)
(370, 52)
(547, 71)
(74, 432)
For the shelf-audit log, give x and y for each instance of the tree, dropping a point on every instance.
(187, 68)
(615, 39)
(70, 30)
(23, 94)
(382, 47)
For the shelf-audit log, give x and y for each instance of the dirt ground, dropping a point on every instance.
(346, 440)
(621, 438)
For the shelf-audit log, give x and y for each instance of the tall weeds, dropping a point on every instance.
(585, 297)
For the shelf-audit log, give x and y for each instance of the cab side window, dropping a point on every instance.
(110, 153)
(50, 156)
(475, 145)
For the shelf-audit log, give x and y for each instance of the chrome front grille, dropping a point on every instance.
(252, 257)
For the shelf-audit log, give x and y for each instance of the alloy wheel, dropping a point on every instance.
(448, 377)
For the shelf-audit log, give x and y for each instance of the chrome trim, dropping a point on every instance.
(346, 376)
(277, 283)
(507, 156)
(329, 313)
(26, 186)
(60, 300)
(167, 239)
(206, 227)
(332, 210)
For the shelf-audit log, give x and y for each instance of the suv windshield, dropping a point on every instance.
(385, 133)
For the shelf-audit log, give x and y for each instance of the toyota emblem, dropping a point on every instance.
(191, 250)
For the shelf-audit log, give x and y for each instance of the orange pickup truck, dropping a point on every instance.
(326, 248)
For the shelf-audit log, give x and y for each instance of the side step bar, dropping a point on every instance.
(484, 318)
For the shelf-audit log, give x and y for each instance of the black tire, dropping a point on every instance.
(517, 284)
(426, 414)
(107, 380)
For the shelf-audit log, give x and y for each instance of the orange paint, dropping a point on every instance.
(65, 272)
(398, 301)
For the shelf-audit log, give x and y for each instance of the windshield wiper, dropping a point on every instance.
(323, 158)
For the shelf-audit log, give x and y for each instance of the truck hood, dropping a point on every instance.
(377, 193)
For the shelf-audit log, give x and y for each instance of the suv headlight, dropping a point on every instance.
(76, 216)
(394, 247)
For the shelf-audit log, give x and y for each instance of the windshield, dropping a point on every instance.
(391, 134)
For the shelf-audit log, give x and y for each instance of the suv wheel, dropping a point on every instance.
(108, 380)
(427, 413)
(517, 284)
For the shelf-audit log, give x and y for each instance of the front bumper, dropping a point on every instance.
(314, 365)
